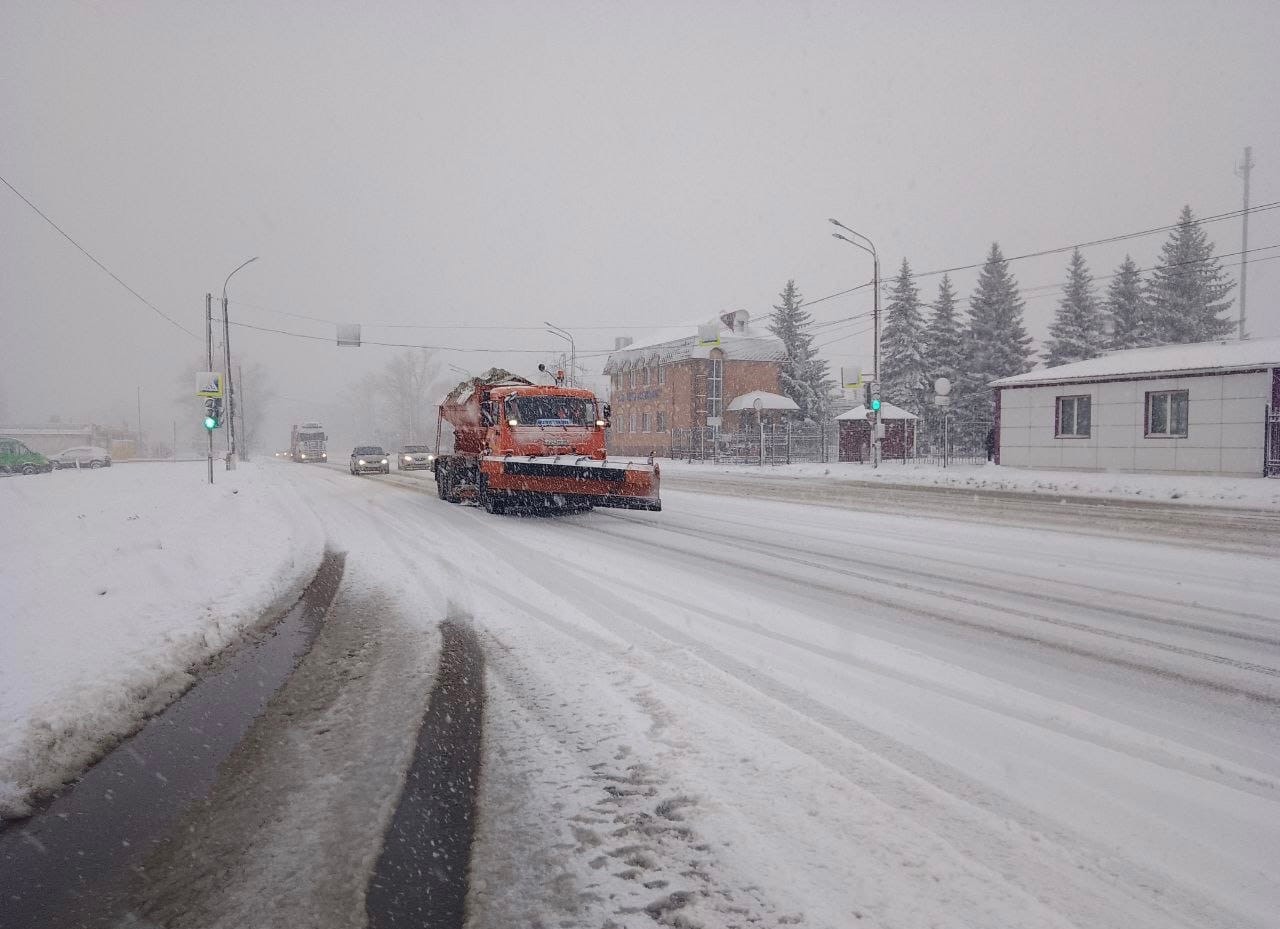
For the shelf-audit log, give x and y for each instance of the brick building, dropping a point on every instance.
(684, 379)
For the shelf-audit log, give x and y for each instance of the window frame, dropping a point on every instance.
(662, 373)
(644, 421)
(715, 385)
(661, 424)
(1058, 418)
(1169, 396)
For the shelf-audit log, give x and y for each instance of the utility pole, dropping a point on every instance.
(208, 345)
(244, 433)
(1242, 171)
(231, 389)
(138, 454)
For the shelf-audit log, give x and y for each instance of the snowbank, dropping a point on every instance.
(114, 584)
(1199, 490)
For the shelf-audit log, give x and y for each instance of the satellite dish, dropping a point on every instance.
(942, 387)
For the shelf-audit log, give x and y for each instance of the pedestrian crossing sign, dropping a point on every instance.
(209, 384)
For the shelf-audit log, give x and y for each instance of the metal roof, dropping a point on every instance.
(1158, 361)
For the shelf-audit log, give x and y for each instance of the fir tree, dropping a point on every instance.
(996, 344)
(1127, 309)
(904, 377)
(943, 336)
(803, 376)
(1188, 289)
(1076, 332)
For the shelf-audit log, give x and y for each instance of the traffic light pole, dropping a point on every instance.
(208, 346)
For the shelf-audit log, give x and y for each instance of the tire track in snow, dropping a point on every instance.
(882, 581)
(915, 541)
(977, 824)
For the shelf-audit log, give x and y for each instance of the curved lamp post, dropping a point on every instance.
(869, 247)
(573, 351)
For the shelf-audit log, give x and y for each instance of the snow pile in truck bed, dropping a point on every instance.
(113, 583)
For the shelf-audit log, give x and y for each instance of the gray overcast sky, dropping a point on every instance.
(610, 165)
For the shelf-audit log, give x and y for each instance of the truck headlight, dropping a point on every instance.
(304, 455)
(361, 461)
(384, 461)
(408, 458)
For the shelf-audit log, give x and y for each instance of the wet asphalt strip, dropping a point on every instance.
(62, 866)
(421, 878)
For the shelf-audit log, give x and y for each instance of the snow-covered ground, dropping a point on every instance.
(744, 712)
(1198, 489)
(113, 583)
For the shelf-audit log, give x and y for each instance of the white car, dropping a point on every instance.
(414, 458)
(83, 456)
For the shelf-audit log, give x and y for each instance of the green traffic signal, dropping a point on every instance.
(875, 405)
(210, 423)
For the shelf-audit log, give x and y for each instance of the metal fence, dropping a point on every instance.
(945, 439)
(1271, 447)
(776, 444)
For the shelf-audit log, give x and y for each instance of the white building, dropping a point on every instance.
(1199, 408)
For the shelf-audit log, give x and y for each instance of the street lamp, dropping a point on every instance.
(870, 248)
(226, 347)
(573, 351)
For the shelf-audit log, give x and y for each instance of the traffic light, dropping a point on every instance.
(212, 413)
(873, 396)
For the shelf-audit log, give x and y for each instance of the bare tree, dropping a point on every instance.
(412, 386)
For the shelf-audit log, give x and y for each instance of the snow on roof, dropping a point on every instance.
(887, 411)
(676, 343)
(1235, 355)
(767, 400)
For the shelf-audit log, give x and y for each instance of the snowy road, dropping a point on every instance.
(749, 711)
(741, 708)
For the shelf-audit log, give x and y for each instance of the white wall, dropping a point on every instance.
(1224, 430)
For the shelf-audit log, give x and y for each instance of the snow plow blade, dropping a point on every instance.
(575, 480)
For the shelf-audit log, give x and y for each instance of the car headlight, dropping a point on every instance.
(304, 454)
(323, 455)
(431, 458)
(361, 461)
(408, 458)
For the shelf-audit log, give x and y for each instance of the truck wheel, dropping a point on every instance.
(492, 503)
(29, 469)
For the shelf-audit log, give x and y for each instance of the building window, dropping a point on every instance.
(1167, 414)
(615, 381)
(632, 427)
(661, 416)
(644, 422)
(662, 373)
(1073, 418)
(715, 386)
(644, 374)
(631, 377)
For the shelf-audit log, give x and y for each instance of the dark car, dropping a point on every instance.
(370, 459)
(414, 458)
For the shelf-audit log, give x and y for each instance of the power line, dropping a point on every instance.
(41, 214)
(1231, 214)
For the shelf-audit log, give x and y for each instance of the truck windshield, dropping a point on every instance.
(551, 411)
(311, 436)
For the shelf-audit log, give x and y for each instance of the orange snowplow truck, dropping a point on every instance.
(520, 444)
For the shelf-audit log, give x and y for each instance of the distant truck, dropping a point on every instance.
(516, 443)
(307, 443)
